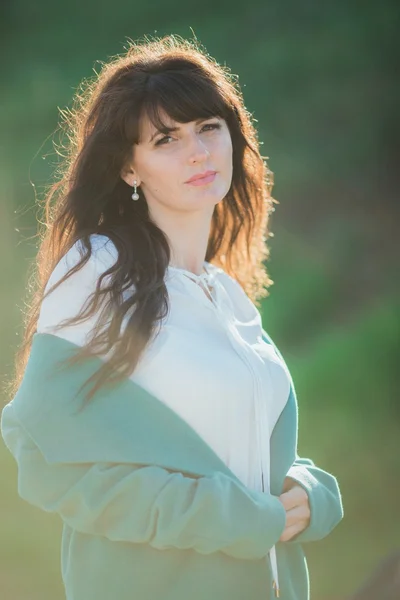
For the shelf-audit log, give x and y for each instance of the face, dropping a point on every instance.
(162, 164)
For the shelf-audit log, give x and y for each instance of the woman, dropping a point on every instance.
(151, 410)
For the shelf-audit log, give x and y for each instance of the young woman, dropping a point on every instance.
(151, 409)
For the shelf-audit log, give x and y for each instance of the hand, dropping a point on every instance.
(295, 501)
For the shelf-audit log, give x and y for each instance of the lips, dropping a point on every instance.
(200, 176)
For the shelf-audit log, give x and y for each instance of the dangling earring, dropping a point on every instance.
(135, 195)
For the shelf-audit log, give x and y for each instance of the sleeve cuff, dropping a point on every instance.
(325, 503)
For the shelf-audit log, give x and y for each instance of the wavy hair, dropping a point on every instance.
(161, 75)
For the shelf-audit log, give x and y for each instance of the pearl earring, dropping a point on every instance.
(135, 195)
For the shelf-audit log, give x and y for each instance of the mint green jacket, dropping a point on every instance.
(149, 511)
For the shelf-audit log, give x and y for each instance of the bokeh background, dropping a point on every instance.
(319, 77)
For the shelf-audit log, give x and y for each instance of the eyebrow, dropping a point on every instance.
(166, 130)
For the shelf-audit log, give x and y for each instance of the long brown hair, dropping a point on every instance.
(169, 75)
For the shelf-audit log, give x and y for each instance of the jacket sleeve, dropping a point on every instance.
(322, 489)
(324, 498)
(146, 504)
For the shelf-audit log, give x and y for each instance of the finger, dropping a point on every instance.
(294, 497)
(299, 514)
(290, 498)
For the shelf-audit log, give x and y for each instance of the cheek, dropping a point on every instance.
(159, 171)
(224, 147)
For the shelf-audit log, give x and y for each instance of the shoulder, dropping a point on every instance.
(103, 255)
(67, 299)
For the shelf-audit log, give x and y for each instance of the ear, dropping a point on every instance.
(129, 176)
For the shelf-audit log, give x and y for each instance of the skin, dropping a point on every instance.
(181, 210)
(295, 501)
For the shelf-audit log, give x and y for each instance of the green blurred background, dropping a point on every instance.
(319, 77)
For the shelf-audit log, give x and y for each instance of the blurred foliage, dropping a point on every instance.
(319, 78)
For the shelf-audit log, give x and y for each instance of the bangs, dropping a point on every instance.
(182, 96)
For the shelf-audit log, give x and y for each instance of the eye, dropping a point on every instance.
(213, 126)
(162, 140)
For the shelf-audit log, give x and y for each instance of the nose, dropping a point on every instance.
(198, 150)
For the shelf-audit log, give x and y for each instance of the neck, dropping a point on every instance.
(188, 235)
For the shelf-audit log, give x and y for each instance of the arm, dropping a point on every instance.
(323, 496)
(146, 504)
(86, 468)
(322, 489)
